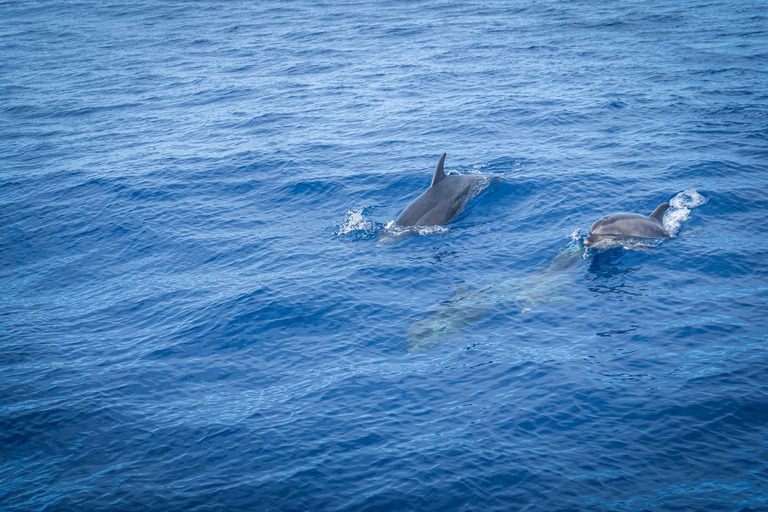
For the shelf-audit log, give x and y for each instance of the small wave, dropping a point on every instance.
(680, 209)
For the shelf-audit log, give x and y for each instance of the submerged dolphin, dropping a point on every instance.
(447, 319)
(442, 201)
(629, 225)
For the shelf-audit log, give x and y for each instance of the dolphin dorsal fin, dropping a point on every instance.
(439, 172)
(658, 213)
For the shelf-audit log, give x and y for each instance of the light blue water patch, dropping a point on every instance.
(206, 304)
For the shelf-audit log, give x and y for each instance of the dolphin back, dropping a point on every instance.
(439, 203)
(630, 224)
(442, 201)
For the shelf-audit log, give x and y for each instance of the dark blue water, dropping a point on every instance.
(205, 306)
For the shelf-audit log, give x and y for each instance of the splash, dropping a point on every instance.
(680, 209)
(355, 223)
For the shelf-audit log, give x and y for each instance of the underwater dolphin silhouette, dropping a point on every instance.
(629, 224)
(442, 201)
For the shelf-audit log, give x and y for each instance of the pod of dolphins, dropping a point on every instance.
(447, 195)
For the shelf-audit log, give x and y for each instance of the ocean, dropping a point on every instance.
(206, 304)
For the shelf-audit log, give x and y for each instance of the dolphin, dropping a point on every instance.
(447, 319)
(629, 225)
(442, 201)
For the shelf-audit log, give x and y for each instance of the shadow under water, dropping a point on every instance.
(467, 307)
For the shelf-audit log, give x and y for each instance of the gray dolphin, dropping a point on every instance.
(442, 201)
(629, 224)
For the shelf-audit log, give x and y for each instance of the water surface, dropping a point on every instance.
(203, 307)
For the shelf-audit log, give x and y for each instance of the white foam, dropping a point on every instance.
(414, 230)
(680, 209)
(392, 232)
(575, 235)
(628, 243)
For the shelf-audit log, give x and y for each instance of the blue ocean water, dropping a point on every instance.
(205, 305)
